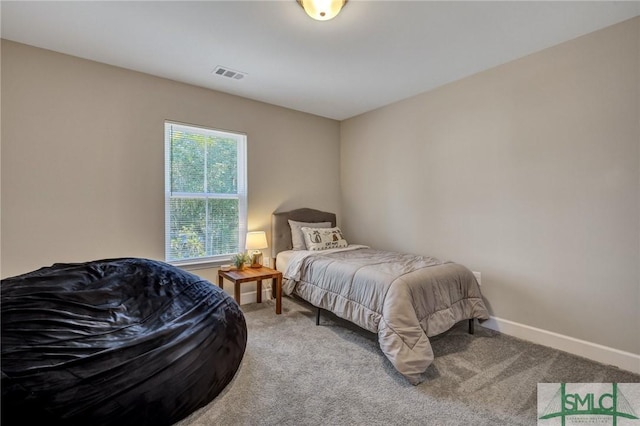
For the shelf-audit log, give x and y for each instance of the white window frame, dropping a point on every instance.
(241, 195)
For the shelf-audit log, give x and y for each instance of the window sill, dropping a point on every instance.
(195, 265)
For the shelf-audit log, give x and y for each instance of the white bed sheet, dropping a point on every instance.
(285, 257)
(282, 260)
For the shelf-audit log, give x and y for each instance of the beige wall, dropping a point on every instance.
(82, 167)
(528, 173)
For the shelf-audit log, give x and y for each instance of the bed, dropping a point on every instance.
(123, 341)
(404, 298)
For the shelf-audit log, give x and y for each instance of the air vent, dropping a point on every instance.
(229, 73)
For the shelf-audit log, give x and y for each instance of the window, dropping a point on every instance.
(205, 194)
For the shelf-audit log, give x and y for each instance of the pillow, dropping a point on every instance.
(323, 238)
(297, 239)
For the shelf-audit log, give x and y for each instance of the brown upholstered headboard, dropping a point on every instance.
(281, 232)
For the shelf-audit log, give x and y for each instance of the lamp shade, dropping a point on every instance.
(256, 240)
(322, 10)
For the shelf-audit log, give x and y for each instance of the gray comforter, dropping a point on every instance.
(403, 298)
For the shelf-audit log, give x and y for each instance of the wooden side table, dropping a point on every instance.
(254, 274)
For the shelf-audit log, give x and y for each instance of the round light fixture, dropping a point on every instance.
(322, 10)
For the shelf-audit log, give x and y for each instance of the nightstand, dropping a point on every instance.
(254, 274)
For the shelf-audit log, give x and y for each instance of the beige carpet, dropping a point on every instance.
(297, 373)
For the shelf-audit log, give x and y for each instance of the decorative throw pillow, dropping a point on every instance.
(323, 238)
(296, 232)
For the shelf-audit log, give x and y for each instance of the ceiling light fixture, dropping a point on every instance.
(322, 10)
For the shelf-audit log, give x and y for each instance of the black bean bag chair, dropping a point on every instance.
(114, 342)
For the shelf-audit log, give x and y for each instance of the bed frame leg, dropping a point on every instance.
(318, 317)
(471, 326)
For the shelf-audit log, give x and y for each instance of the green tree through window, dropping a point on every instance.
(205, 192)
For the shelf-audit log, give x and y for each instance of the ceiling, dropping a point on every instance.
(372, 54)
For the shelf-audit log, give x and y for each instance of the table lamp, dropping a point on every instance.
(256, 241)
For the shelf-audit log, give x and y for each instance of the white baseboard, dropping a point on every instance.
(604, 354)
(250, 296)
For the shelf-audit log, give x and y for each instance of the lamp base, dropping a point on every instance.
(256, 261)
